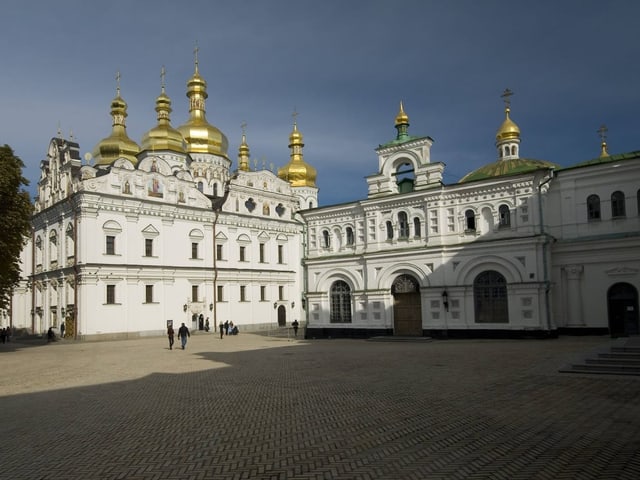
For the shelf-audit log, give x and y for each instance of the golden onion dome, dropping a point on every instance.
(118, 144)
(508, 130)
(402, 118)
(199, 135)
(297, 172)
(163, 136)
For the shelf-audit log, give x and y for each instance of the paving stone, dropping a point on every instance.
(256, 407)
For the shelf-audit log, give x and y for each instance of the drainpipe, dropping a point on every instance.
(216, 206)
(76, 275)
(545, 246)
(305, 282)
(33, 280)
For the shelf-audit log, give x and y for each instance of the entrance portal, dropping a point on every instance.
(622, 302)
(282, 316)
(407, 307)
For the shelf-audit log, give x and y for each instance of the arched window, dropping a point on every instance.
(490, 298)
(389, 230)
(326, 239)
(593, 207)
(513, 150)
(350, 238)
(617, 204)
(505, 216)
(403, 223)
(470, 219)
(200, 186)
(340, 302)
(215, 189)
(416, 227)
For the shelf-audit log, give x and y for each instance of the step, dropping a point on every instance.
(613, 361)
(615, 369)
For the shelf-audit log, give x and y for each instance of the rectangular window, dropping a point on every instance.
(280, 254)
(263, 293)
(220, 296)
(111, 294)
(243, 293)
(218, 252)
(243, 251)
(148, 247)
(262, 253)
(194, 293)
(111, 245)
(194, 250)
(148, 293)
(280, 292)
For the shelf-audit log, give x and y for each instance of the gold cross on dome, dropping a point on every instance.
(163, 72)
(295, 115)
(602, 131)
(118, 82)
(243, 126)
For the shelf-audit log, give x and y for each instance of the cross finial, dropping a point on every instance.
(243, 126)
(602, 131)
(118, 82)
(506, 96)
(195, 54)
(163, 73)
(295, 116)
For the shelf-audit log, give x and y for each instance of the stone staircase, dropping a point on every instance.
(622, 357)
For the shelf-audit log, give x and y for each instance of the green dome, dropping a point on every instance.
(501, 168)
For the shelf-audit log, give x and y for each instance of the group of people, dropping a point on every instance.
(183, 335)
(228, 328)
(5, 334)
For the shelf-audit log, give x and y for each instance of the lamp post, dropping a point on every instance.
(445, 303)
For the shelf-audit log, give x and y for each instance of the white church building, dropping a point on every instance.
(168, 231)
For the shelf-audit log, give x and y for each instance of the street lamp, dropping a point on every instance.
(184, 308)
(210, 306)
(445, 300)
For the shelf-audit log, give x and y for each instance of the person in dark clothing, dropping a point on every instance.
(170, 334)
(221, 331)
(226, 327)
(295, 326)
(183, 333)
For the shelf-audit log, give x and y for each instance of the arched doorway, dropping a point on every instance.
(282, 316)
(407, 307)
(622, 303)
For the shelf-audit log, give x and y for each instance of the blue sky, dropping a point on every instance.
(343, 65)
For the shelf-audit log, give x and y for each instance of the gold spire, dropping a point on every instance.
(602, 131)
(402, 118)
(243, 151)
(163, 136)
(508, 130)
(118, 144)
(201, 137)
(297, 172)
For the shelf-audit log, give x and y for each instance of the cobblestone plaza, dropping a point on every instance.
(263, 407)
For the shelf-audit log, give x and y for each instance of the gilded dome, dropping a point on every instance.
(508, 130)
(118, 144)
(297, 172)
(402, 118)
(199, 135)
(163, 136)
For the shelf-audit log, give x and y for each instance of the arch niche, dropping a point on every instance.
(282, 316)
(622, 303)
(407, 306)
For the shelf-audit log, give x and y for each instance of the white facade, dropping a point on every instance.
(519, 247)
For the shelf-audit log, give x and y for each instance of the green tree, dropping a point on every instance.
(15, 217)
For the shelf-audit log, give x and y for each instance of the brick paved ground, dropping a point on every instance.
(267, 408)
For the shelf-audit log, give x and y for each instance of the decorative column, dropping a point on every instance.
(574, 295)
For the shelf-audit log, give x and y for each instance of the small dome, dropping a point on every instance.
(297, 172)
(507, 167)
(163, 136)
(118, 144)
(402, 118)
(508, 130)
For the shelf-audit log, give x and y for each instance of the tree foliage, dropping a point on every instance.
(15, 217)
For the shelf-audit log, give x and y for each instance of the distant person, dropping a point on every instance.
(226, 327)
(170, 334)
(206, 325)
(51, 336)
(221, 331)
(62, 328)
(295, 326)
(3, 335)
(183, 334)
(8, 333)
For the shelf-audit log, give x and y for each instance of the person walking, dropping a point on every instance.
(221, 331)
(62, 327)
(183, 333)
(170, 334)
(295, 325)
